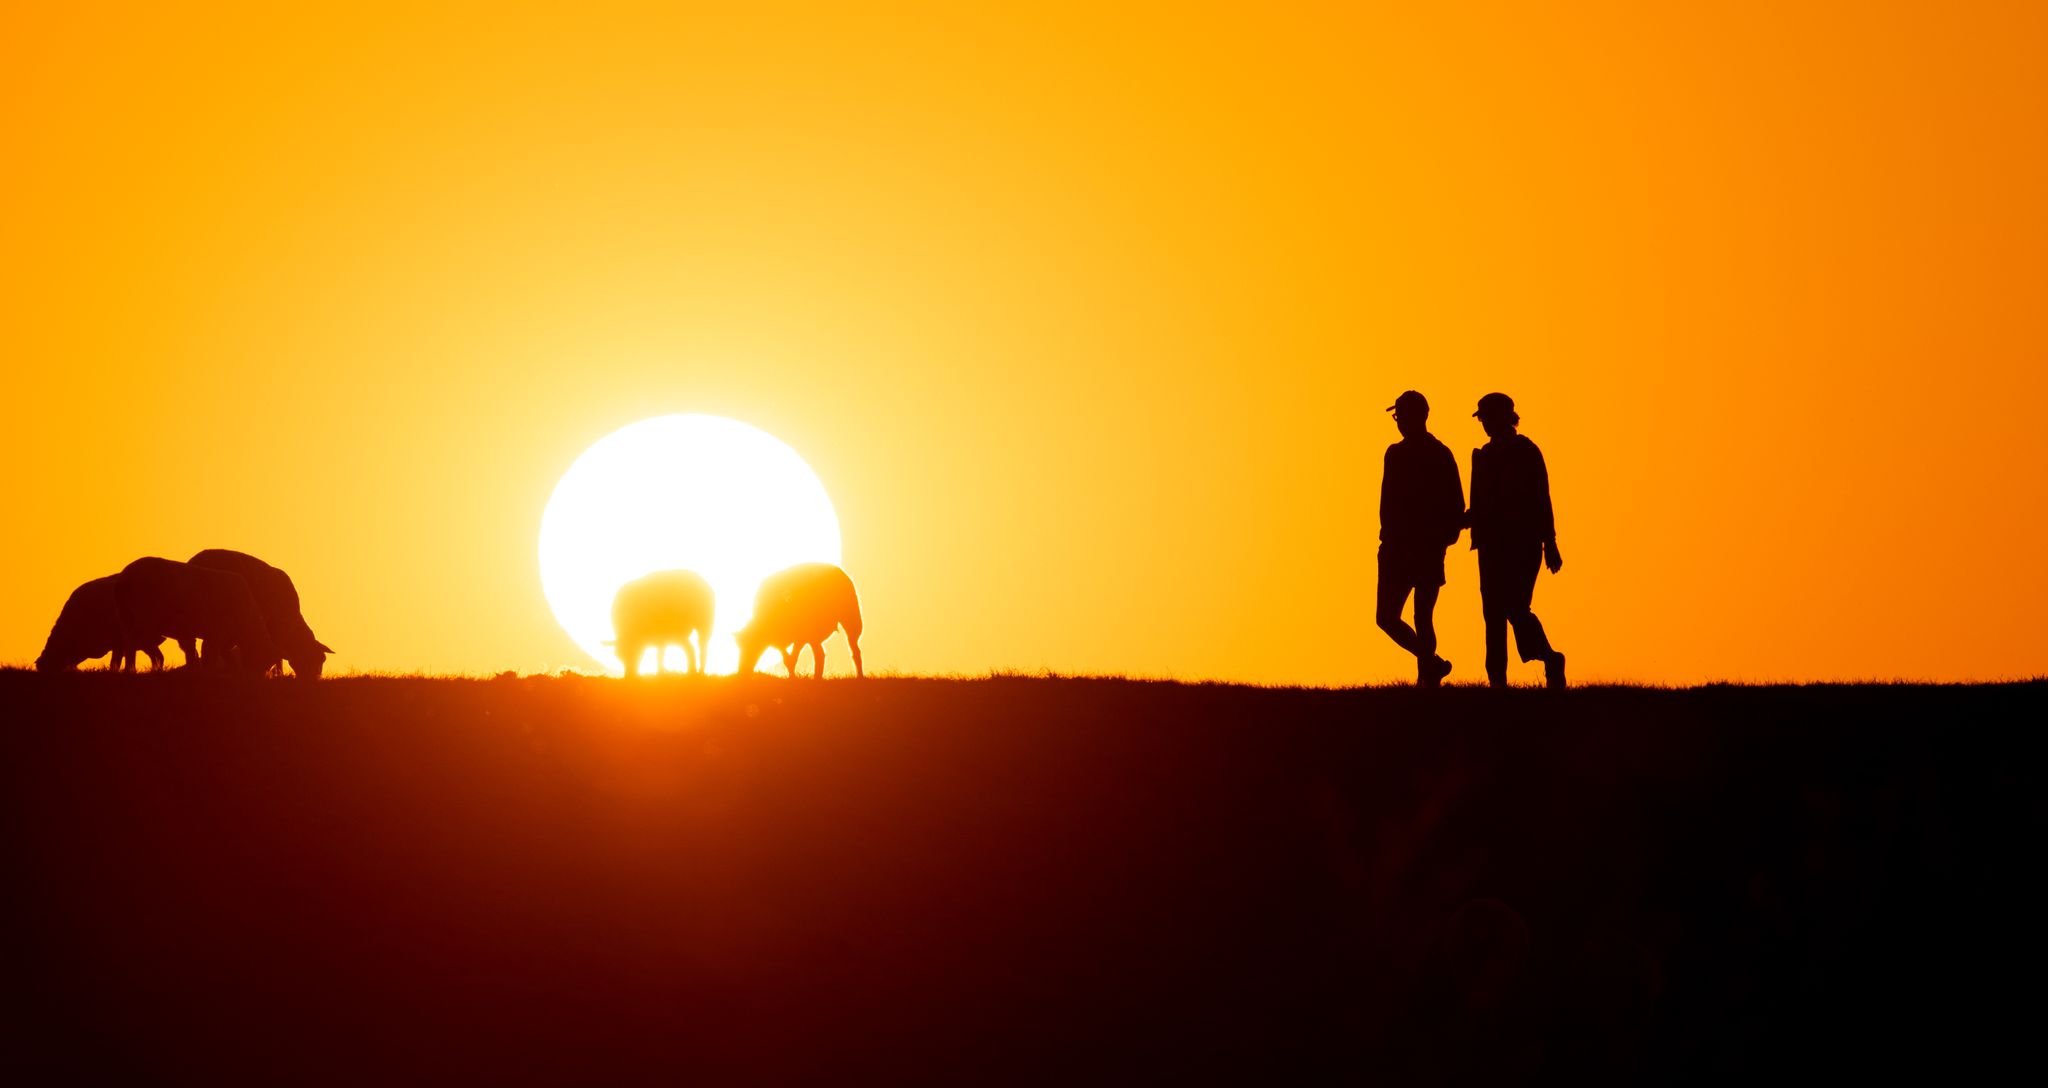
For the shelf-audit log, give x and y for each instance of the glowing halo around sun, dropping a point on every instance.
(694, 492)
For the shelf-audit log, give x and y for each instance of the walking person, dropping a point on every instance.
(1515, 532)
(1422, 510)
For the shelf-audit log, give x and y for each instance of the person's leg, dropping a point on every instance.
(1425, 620)
(1492, 607)
(1530, 641)
(1429, 668)
(1393, 593)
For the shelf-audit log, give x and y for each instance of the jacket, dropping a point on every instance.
(1422, 500)
(1511, 494)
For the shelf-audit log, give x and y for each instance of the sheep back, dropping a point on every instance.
(162, 598)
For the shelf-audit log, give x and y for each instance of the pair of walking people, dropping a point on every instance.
(1422, 511)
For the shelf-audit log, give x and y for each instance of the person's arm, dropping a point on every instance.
(1476, 513)
(1552, 558)
(1386, 486)
(1451, 495)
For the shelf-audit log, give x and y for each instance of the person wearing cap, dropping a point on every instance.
(1515, 533)
(1422, 511)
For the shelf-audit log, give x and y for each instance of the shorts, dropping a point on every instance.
(1411, 566)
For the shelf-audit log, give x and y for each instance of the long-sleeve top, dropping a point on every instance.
(1422, 500)
(1511, 494)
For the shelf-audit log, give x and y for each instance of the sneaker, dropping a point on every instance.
(1553, 670)
(1435, 671)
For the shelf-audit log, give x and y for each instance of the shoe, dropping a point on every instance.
(1553, 671)
(1434, 671)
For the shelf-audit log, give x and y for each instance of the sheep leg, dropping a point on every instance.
(853, 643)
(156, 658)
(818, 660)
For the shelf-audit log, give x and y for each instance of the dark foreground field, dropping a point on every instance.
(1022, 880)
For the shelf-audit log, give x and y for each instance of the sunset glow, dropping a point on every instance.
(691, 492)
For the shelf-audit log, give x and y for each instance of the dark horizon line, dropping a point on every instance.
(1054, 675)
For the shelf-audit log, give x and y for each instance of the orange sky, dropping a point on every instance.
(1084, 319)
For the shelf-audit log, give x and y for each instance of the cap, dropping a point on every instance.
(1411, 401)
(1496, 404)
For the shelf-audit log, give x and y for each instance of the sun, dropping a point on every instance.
(694, 492)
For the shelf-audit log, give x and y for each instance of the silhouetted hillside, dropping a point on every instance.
(1012, 880)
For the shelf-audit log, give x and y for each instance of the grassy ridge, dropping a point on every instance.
(569, 879)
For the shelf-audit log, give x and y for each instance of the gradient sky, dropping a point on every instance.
(1085, 318)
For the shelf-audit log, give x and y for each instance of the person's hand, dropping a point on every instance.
(1551, 557)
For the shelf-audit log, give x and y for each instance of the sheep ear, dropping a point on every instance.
(324, 648)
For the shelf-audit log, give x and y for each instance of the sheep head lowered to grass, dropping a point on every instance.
(659, 610)
(797, 607)
(278, 599)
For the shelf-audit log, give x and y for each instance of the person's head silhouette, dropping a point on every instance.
(1411, 414)
(1497, 414)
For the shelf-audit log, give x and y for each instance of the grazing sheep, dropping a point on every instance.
(278, 599)
(159, 598)
(660, 610)
(800, 607)
(90, 625)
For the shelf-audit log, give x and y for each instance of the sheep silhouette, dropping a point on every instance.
(161, 598)
(278, 599)
(798, 607)
(89, 625)
(660, 610)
